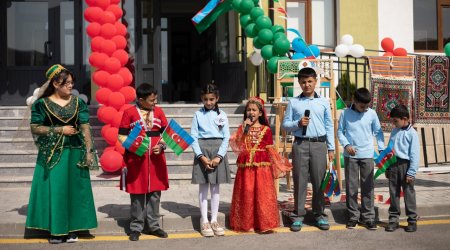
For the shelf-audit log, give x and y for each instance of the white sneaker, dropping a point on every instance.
(206, 230)
(217, 229)
(71, 238)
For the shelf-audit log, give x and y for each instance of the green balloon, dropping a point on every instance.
(251, 30)
(256, 2)
(272, 64)
(263, 22)
(245, 19)
(282, 46)
(246, 6)
(267, 52)
(265, 36)
(278, 35)
(277, 28)
(236, 4)
(256, 12)
(256, 43)
(447, 49)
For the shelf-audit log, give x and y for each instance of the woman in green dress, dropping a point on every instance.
(61, 199)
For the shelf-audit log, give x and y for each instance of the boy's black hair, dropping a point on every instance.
(144, 90)
(306, 72)
(362, 95)
(401, 111)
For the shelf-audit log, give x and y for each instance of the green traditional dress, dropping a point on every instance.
(61, 199)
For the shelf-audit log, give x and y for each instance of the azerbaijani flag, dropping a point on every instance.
(208, 15)
(176, 137)
(385, 159)
(330, 183)
(137, 141)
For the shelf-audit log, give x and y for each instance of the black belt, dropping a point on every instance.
(153, 133)
(322, 138)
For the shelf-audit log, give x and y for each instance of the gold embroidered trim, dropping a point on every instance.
(253, 164)
(255, 147)
(59, 118)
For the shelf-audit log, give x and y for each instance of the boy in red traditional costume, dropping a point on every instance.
(254, 204)
(146, 175)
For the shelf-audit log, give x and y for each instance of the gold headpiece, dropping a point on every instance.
(53, 70)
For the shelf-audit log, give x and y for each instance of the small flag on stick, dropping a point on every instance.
(176, 137)
(137, 141)
(385, 159)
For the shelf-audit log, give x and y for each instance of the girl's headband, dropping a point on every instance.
(54, 70)
(257, 99)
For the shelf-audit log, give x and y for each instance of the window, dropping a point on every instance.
(431, 24)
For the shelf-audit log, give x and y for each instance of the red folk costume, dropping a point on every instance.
(254, 203)
(146, 173)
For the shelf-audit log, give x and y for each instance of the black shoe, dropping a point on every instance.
(158, 233)
(371, 225)
(55, 239)
(412, 227)
(72, 238)
(134, 235)
(351, 224)
(296, 226)
(391, 227)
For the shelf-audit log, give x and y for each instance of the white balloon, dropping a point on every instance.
(357, 50)
(83, 97)
(36, 92)
(341, 50)
(347, 39)
(256, 59)
(257, 50)
(75, 92)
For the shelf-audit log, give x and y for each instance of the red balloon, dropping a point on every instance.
(111, 135)
(121, 55)
(126, 76)
(108, 30)
(96, 43)
(100, 114)
(388, 54)
(400, 52)
(108, 47)
(121, 29)
(102, 3)
(93, 29)
(120, 41)
(93, 14)
(108, 17)
(98, 59)
(104, 130)
(115, 82)
(107, 114)
(100, 77)
(129, 93)
(116, 100)
(116, 10)
(125, 107)
(112, 65)
(90, 2)
(387, 44)
(110, 148)
(102, 95)
(117, 120)
(111, 161)
(115, 1)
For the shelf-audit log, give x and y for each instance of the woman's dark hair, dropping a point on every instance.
(144, 90)
(211, 88)
(262, 119)
(401, 111)
(306, 72)
(60, 77)
(362, 95)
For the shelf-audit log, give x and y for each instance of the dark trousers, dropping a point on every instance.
(145, 208)
(359, 172)
(308, 158)
(397, 181)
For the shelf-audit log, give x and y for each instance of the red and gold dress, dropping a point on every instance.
(254, 203)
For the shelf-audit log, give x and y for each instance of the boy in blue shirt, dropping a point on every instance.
(308, 117)
(402, 174)
(357, 126)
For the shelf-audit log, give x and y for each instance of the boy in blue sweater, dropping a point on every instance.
(402, 174)
(357, 127)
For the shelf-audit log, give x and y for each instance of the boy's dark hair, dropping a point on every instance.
(401, 111)
(306, 72)
(362, 95)
(144, 90)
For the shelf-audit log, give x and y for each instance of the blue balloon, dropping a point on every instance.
(298, 56)
(315, 50)
(299, 45)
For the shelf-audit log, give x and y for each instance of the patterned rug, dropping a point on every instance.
(432, 90)
(387, 94)
(391, 66)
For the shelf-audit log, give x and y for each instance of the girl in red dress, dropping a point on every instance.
(254, 203)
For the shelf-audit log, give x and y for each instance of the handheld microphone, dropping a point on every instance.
(248, 125)
(305, 127)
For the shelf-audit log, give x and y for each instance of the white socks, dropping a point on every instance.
(203, 200)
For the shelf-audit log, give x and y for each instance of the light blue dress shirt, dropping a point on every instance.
(209, 124)
(320, 122)
(406, 146)
(358, 129)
